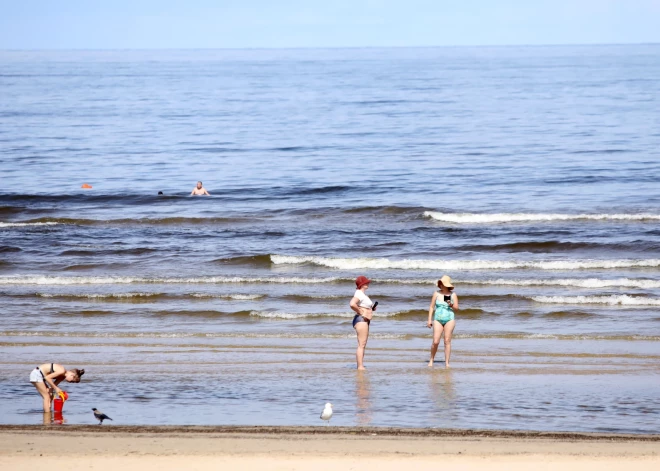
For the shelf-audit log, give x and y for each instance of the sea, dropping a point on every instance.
(529, 175)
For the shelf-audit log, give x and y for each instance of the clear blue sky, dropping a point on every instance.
(89, 24)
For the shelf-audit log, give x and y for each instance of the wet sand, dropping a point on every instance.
(293, 448)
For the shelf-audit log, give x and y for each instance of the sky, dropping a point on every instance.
(165, 24)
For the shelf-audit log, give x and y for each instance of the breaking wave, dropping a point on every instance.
(421, 264)
(27, 224)
(109, 280)
(572, 282)
(148, 296)
(593, 283)
(303, 315)
(477, 218)
(614, 300)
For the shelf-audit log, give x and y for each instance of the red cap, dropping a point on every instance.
(360, 281)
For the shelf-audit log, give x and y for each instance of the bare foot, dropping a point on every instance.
(361, 368)
(447, 365)
(430, 363)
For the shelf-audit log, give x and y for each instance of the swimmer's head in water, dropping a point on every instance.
(199, 185)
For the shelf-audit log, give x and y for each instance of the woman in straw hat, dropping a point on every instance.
(441, 317)
(363, 307)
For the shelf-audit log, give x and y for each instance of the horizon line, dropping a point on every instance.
(267, 48)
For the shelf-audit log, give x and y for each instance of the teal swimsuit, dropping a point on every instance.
(443, 313)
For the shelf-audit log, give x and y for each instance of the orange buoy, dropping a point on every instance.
(85, 185)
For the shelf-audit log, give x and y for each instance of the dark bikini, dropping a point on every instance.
(52, 370)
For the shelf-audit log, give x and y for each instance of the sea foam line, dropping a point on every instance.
(27, 224)
(303, 315)
(613, 300)
(571, 282)
(122, 296)
(109, 280)
(290, 335)
(412, 264)
(477, 218)
(593, 283)
(100, 296)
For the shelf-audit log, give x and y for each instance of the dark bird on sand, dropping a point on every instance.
(100, 416)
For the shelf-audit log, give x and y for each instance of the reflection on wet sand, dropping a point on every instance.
(363, 393)
(58, 418)
(443, 392)
(53, 418)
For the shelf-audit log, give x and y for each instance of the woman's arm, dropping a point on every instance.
(354, 304)
(431, 310)
(51, 379)
(454, 299)
(362, 311)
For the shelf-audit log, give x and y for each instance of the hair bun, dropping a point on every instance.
(80, 372)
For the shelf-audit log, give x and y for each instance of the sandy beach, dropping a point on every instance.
(298, 448)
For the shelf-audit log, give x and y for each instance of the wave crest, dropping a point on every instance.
(109, 280)
(613, 300)
(572, 282)
(477, 218)
(421, 264)
(27, 224)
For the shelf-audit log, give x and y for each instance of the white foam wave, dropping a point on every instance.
(233, 297)
(477, 218)
(109, 280)
(302, 315)
(613, 300)
(297, 315)
(523, 336)
(27, 224)
(184, 335)
(411, 264)
(571, 282)
(100, 296)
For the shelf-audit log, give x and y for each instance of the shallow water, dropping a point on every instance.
(530, 175)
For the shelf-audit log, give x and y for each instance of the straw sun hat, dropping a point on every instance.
(446, 281)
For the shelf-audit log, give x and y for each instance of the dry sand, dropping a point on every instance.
(296, 448)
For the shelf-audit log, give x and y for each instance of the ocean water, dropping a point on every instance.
(531, 176)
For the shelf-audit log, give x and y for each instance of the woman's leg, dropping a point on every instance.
(45, 395)
(362, 329)
(437, 335)
(449, 330)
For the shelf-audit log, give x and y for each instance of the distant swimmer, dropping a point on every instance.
(199, 190)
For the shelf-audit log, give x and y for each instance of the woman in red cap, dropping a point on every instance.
(363, 308)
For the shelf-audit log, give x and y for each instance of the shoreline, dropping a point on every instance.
(164, 448)
(266, 430)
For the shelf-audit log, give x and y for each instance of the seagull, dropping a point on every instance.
(327, 413)
(100, 416)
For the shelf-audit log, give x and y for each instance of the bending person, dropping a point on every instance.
(441, 317)
(362, 305)
(46, 377)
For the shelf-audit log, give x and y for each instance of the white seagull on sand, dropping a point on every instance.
(327, 412)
